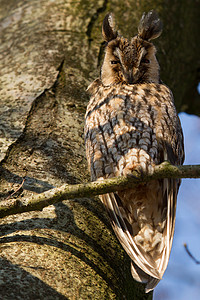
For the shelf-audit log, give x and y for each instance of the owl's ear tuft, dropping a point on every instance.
(150, 26)
(108, 28)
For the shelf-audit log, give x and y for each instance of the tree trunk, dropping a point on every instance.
(50, 51)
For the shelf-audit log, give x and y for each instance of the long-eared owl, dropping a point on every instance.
(131, 123)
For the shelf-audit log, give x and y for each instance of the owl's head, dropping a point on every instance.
(131, 61)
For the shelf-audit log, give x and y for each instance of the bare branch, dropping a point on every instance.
(38, 202)
(191, 255)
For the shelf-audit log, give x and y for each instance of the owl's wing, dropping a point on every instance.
(144, 267)
(120, 226)
(170, 190)
(173, 151)
(93, 87)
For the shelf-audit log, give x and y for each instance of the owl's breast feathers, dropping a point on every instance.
(128, 127)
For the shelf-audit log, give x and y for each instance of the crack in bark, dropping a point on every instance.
(94, 18)
(34, 104)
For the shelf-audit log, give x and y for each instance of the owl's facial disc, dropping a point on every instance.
(129, 62)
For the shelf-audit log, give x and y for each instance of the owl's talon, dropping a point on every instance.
(140, 174)
(132, 176)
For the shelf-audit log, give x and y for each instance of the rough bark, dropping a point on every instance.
(50, 51)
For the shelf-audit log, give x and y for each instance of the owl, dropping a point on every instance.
(131, 124)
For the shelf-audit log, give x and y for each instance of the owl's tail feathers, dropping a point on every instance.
(151, 284)
(143, 277)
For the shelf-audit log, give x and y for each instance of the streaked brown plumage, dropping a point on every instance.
(131, 123)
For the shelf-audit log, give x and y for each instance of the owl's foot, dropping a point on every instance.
(137, 173)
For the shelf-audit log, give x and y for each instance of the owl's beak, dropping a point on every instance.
(130, 75)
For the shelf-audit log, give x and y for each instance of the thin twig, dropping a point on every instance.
(190, 254)
(14, 193)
